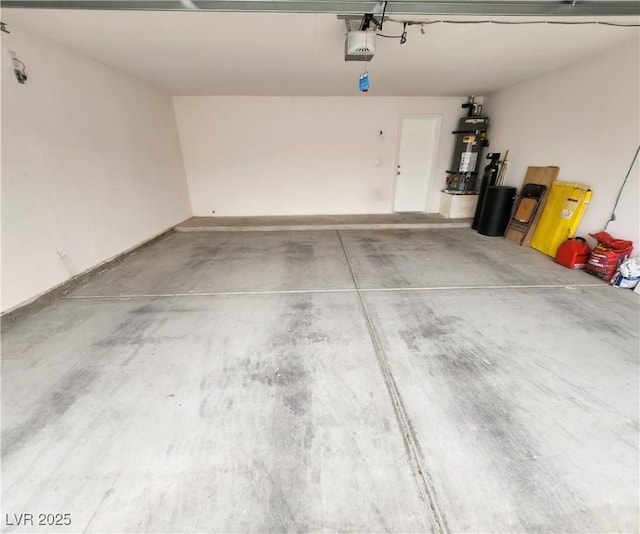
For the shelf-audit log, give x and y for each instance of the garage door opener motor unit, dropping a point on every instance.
(360, 46)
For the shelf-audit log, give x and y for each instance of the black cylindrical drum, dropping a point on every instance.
(488, 179)
(496, 210)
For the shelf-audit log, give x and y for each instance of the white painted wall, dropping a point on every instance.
(586, 120)
(302, 155)
(91, 165)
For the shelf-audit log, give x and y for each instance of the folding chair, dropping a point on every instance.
(526, 208)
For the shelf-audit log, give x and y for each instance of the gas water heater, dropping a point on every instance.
(471, 138)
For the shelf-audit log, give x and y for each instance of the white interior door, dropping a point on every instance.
(416, 159)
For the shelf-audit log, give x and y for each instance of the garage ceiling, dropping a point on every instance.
(251, 53)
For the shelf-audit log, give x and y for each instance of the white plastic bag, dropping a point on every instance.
(628, 273)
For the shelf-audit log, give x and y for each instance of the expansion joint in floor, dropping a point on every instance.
(398, 405)
(358, 291)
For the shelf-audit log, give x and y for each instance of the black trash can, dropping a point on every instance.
(496, 210)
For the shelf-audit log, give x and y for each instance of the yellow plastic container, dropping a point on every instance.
(561, 217)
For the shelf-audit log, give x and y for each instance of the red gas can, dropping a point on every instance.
(573, 253)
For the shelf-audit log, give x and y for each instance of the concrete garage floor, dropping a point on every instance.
(363, 381)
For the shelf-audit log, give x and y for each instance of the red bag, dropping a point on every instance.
(607, 255)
